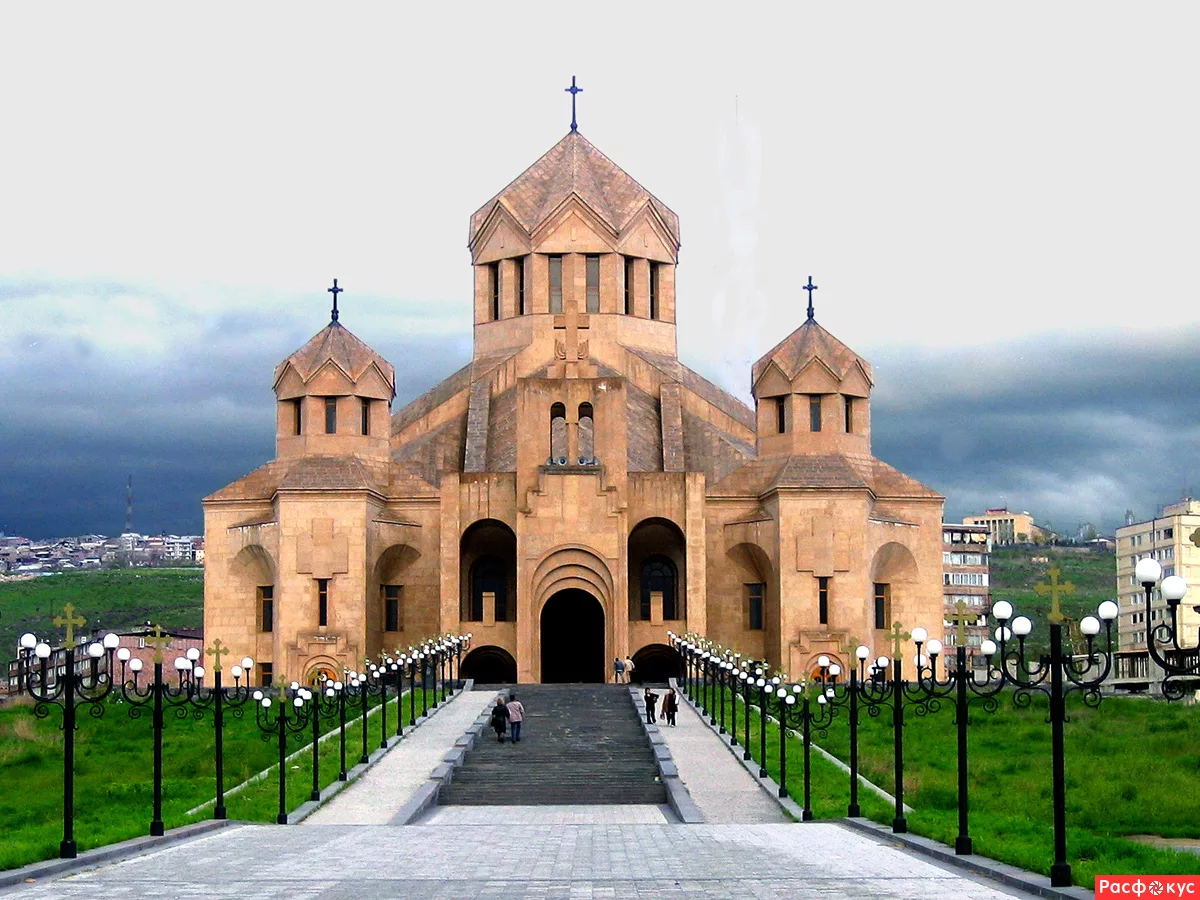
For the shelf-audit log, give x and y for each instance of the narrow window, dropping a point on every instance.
(331, 415)
(366, 415)
(780, 415)
(266, 674)
(556, 284)
(823, 600)
(558, 434)
(628, 285)
(322, 601)
(494, 286)
(849, 414)
(391, 607)
(520, 285)
(754, 596)
(658, 574)
(881, 605)
(587, 434)
(298, 415)
(814, 412)
(266, 603)
(593, 283)
(654, 267)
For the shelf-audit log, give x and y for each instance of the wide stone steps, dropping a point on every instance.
(580, 744)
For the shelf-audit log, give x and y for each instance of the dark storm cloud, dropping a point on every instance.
(1074, 430)
(78, 419)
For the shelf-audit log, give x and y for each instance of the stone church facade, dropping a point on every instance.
(575, 491)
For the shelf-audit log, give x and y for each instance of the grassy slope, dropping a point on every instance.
(114, 599)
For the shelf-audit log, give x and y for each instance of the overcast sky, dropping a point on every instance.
(998, 203)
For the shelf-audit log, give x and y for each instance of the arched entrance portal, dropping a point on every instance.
(655, 663)
(572, 638)
(489, 665)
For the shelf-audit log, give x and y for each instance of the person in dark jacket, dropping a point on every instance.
(670, 706)
(500, 719)
(651, 700)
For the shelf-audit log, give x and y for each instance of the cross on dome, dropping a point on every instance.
(573, 90)
(335, 290)
(810, 287)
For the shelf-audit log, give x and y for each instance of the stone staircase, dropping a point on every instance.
(580, 744)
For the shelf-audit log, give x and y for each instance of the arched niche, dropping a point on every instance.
(489, 665)
(488, 572)
(390, 598)
(894, 578)
(252, 572)
(656, 663)
(657, 558)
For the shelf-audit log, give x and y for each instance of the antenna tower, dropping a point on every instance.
(129, 505)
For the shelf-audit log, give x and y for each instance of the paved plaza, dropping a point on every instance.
(745, 848)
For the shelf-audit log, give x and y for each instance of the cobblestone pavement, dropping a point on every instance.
(718, 783)
(548, 862)
(380, 793)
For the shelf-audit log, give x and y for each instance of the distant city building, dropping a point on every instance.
(1006, 527)
(965, 560)
(1170, 539)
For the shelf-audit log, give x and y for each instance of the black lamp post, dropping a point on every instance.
(722, 670)
(877, 692)
(764, 688)
(68, 691)
(279, 717)
(1180, 665)
(358, 687)
(157, 695)
(218, 698)
(375, 681)
(1065, 674)
(746, 680)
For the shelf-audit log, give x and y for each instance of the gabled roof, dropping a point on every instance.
(335, 343)
(324, 473)
(810, 341)
(825, 472)
(574, 166)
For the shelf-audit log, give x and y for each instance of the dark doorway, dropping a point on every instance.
(489, 665)
(572, 639)
(655, 663)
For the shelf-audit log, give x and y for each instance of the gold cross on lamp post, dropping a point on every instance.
(897, 634)
(216, 651)
(160, 640)
(71, 622)
(961, 618)
(1053, 588)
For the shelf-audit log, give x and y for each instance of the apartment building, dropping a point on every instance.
(965, 585)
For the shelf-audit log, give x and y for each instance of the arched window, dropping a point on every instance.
(558, 433)
(587, 434)
(658, 574)
(488, 575)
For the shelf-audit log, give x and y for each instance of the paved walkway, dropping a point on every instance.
(378, 795)
(514, 862)
(718, 783)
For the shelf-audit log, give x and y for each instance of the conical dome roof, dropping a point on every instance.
(336, 344)
(574, 166)
(811, 341)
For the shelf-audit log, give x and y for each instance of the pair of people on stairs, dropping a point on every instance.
(506, 714)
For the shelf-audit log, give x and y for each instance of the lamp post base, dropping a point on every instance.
(281, 819)
(806, 816)
(157, 829)
(220, 813)
(962, 846)
(1060, 875)
(66, 850)
(854, 811)
(899, 825)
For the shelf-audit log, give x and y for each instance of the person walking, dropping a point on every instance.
(670, 706)
(516, 715)
(651, 700)
(618, 671)
(499, 718)
(629, 670)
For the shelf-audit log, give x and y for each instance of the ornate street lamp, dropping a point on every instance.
(281, 716)
(218, 697)
(1180, 665)
(1066, 674)
(69, 692)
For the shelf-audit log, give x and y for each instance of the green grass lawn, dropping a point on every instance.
(114, 764)
(111, 599)
(1132, 767)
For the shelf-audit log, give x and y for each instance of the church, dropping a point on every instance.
(575, 492)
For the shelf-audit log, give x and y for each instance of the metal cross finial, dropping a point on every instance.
(1053, 588)
(810, 287)
(216, 651)
(961, 618)
(573, 90)
(335, 290)
(897, 634)
(71, 621)
(159, 640)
